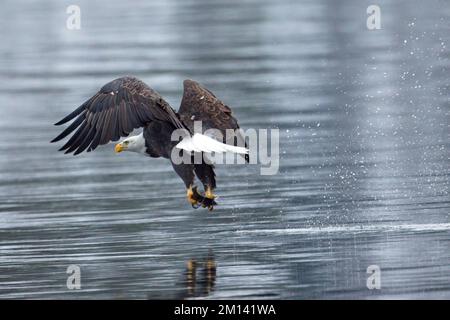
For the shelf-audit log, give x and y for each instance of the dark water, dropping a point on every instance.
(364, 134)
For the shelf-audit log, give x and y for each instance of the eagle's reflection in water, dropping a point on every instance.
(199, 277)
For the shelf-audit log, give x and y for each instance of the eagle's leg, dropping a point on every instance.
(209, 201)
(209, 192)
(193, 197)
(205, 173)
(186, 173)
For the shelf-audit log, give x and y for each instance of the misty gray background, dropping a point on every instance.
(364, 134)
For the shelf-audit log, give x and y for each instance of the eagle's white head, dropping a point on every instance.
(134, 144)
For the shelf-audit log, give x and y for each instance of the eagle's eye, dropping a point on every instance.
(126, 142)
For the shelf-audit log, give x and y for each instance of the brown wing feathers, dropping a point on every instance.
(200, 104)
(127, 103)
(120, 106)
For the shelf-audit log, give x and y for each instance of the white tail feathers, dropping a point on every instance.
(201, 143)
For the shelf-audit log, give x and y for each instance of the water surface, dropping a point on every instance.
(364, 136)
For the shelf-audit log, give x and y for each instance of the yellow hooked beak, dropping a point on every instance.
(119, 148)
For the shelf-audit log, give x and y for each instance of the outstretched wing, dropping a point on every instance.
(200, 104)
(120, 106)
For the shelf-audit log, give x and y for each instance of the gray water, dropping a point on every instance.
(364, 138)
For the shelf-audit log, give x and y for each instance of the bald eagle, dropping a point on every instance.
(127, 103)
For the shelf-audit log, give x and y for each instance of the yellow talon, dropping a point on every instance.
(197, 200)
(190, 196)
(209, 194)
